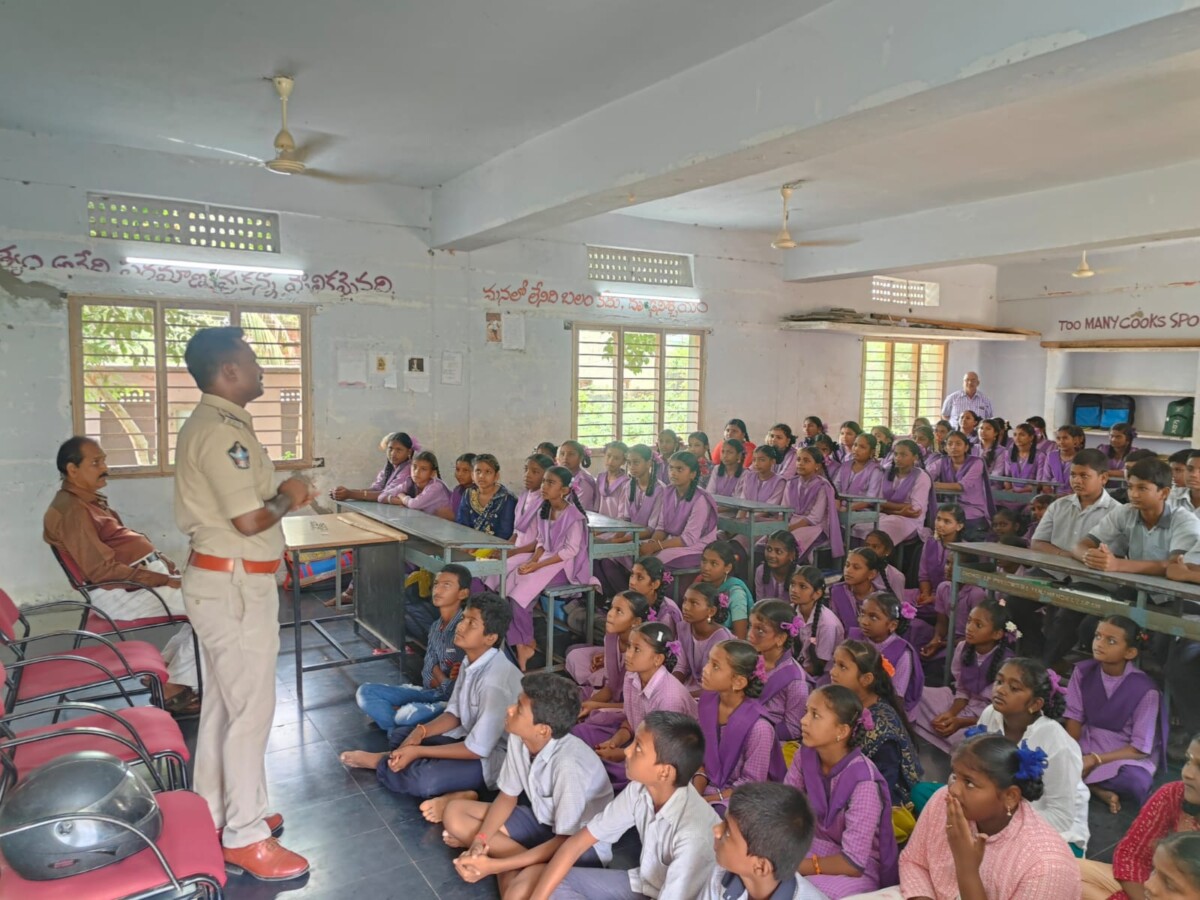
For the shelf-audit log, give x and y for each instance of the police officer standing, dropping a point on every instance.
(226, 503)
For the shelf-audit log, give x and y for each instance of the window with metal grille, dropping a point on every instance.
(132, 392)
(905, 292)
(153, 221)
(639, 267)
(901, 381)
(630, 383)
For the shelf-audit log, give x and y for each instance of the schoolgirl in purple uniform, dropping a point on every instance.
(643, 500)
(1045, 443)
(890, 578)
(394, 478)
(885, 442)
(668, 445)
(850, 800)
(781, 438)
(883, 620)
(1023, 460)
(924, 438)
(612, 485)
(600, 672)
(813, 500)
(859, 571)
(739, 737)
(907, 491)
(762, 484)
(780, 557)
(1113, 711)
(828, 449)
(576, 459)
(726, 477)
(702, 629)
(847, 434)
(773, 631)
(818, 628)
(429, 493)
(968, 424)
(993, 444)
(860, 475)
(687, 519)
(697, 445)
(1056, 466)
(1120, 444)
(948, 527)
(650, 579)
(813, 428)
(967, 476)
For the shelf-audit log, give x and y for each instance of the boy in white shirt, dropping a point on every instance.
(673, 820)
(765, 836)
(562, 778)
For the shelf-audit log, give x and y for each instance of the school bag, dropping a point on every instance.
(1116, 408)
(1179, 418)
(1085, 410)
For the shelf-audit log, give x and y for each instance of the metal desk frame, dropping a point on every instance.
(763, 518)
(851, 517)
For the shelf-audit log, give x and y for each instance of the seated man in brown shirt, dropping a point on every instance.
(80, 524)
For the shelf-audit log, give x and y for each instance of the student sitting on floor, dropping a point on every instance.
(561, 779)
(759, 846)
(704, 614)
(405, 706)
(463, 749)
(673, 821)
(773, 628)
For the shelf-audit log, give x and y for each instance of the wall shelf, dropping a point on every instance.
(900, 332)
(1146, 436)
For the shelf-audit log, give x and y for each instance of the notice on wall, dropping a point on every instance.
(493, 328)
(514, 331)
(416, 374)
(452, 367)
(383, 371)
(351, 367)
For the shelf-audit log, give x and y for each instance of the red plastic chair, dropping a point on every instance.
(81, 668)
(186, 859)
(96, 621)
(142, 734)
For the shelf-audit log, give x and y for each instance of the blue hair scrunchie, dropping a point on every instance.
(1033, 762)
(974, 730)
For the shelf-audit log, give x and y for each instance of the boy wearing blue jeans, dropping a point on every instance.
(398, 708)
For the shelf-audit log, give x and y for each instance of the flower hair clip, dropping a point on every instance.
(675, 649)
(1032, 762)
(792, 627)
(1001, 601)
(888, 667)
(723, 600)
(667, 578)
(866, 720)
(760, 670)
(651, 616)
(907, 610)
(1013, 632)
(1055, 682)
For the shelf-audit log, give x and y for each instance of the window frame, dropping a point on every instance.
(660, 374)
(162, 469)
(862, 390)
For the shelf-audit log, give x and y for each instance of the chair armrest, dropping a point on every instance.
(77, 633)
(76, 604)
(133, 584)
(22, 663)
(10, 743)
(75, 706)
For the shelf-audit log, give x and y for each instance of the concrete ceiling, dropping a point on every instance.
(1141, 120)
(407, 91)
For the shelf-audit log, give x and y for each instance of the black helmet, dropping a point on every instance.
(85, 782)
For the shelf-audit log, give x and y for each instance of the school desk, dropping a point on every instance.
(1168, 618)
(375, 554)
(761, 519)
(850, 517)
(1000, 495)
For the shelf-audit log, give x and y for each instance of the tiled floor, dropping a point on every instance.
(364, 841)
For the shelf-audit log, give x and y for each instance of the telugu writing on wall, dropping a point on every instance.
(1133, 322)
(537, 295)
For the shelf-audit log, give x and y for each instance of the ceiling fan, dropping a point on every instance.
(784, 240)
(1086, 271)
(291, 159)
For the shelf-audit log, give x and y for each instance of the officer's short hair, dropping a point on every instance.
(208, 350)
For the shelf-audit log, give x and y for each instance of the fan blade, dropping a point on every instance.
(315, 143)
(340, 179)
(832, 242)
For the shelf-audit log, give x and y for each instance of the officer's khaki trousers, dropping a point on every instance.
(237, 619)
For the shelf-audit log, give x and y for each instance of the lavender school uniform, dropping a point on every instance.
(766, 587)
(668, 614)
(845, 605)
(853, 810)
(786, 467)
(760, 490)
(612, 496)
(1116, 712)
(784, 696)
(864, 483)
(814, 499)
(694, 653)
(970, 683)
(642, 509)
(909, 679)
(566, 537)
(1031, 467)
(724, 485)
(829, 633)
(433, 499)
(976, 496)
(694, 521)
(583, 483)
(399, 482)
(578, 665)
(915, 489)
(743, 750)
(1055, 468)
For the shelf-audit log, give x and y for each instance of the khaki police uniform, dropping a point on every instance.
(222, 472)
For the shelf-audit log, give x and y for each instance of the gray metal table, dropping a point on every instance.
(851, 517)
(1018, 496)
(601, 525)
(761, 518)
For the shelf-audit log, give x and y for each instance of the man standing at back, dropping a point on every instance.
(225, 502)
(968, 398)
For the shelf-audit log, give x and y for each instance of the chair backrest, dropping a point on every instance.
(9, 617)
(70, 567)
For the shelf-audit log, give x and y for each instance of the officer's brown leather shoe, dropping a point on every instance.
(266, 860)
(274, 822)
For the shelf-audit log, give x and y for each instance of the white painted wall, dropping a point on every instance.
(508, 400)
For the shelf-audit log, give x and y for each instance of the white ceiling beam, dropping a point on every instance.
(1140, 206)
(852, 71)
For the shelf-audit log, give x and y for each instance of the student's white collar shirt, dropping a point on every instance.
(566, 784)
(727, 886)
(483, 692)
(677, 843)
(1065, 522)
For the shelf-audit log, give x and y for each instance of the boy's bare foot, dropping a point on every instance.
(434, 808)
(1109, 797)
(361, 759)
(451, 841)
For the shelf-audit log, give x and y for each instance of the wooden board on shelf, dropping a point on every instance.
(1132, 344)
(1122, 391)
(1143, 435)
(899, 332)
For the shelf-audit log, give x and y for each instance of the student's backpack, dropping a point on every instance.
(1116, 408)
(1179, 418)
(1085, 410)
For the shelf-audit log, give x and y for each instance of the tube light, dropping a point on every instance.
(647, 296)
(215, 267)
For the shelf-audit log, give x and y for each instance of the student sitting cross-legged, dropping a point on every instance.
(562, 778)
(765, 836)
(462, 749)
(673, 821)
